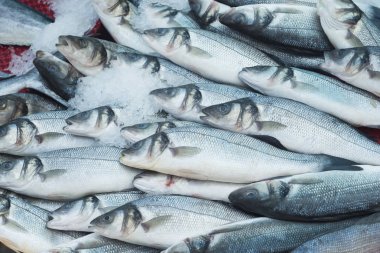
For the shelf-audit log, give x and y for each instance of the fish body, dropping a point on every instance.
(77, 215)
(324, 93)
(159, 221)
(256, 235)
(20, 25)
(186, 102)
(218, 155)
(297, 126)
(331, 195)
(213, 56)
(59, 175)
(156, 183)
(235, 3)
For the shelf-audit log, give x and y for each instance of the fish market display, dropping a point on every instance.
(191, 126)
(298, 127)
(200, 153)
(159, 221)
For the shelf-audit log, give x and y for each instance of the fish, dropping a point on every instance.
(59, 175)
(359, 67)
(94, 243)
(38, 133)
(346, 25)
(20, 24)
(208, 13)
(116, 16)
(23, 227)
(325, 196)
(77, 215)
(30, 80)
(359, 237)
(352, 105)
(218, 155)
(4, 75)
(186, 102)
(256, 235)
(141, 131)
(17, 105)
(157, 183)
(298, 127)
(236, 3)
(159, 221)
(211, 55)
(295, 26)
(95, 56)
(60, 76)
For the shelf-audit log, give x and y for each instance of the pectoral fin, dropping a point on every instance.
(51, 174)
(156, 221)
(46, 136)
(196, 51)
(269, 126)
(303, 86)
(185, 151)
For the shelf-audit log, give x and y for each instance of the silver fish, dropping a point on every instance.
(359, 237)
(330, 195)
(235, 3)
(357, 66)
(289, 25)
(23, 227)
(20, 24)
(324, 93)
(157, 183)
(61, 77)
(159, 221)
(16, 105)
(346, 25)
(256, 235)
(214, 56)
(143, 130)
(297, 126)
(186, 102)
(217, 155)
(59, 175)
(77, 215)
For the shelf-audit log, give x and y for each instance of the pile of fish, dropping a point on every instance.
(254, 146)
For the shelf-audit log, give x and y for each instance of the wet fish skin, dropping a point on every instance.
(359, 67)
(77, 215)
(20, 25)
(205, 52)
(141, 131)
(16, 105)
(24, 227)
(59, 175)
(218, 155)
(236, 3)
(164, 219)
(360, 237)
(256, 235)
(324, 93)
(60, 76)
(346, 25)
(295, 26)
(185, 102)
(339, 195)
(296, 126)
(157, 183)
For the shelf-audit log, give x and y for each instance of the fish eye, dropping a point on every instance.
(107, 219)
(142, 126)
(85, 115)
(3, 104)
(137, 145)
(3, 131)
(52, 68)
(239, 18)
(83, 43)
(134, 57)
(170, 92)
(224, 108)
(161, 31)
(8, 165)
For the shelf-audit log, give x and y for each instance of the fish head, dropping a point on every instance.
(265, 78)
(85, 53)
(140, 61)
(16, 134)
(235, 115)
(346, 62)
(207, 11)
(114, 8)
(117, 223)
(19, 172)
(146, 151)
(75, 215)
(141, 131)
(91, 122)
(12, 107)
(198, 244)
(250, 17)
(167, 41)
(344, 11)
(176, 100)
(5, 204)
